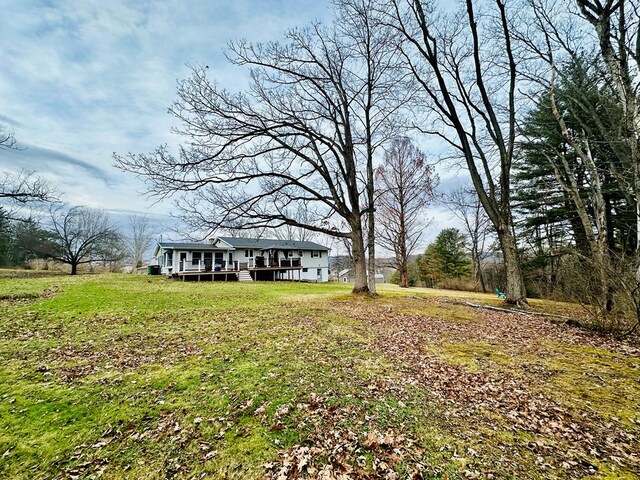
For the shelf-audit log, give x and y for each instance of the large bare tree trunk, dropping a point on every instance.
(359, 259)
(404, 267)
(515, 289)
(477, 118)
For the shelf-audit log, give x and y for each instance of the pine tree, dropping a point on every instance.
(6, 239)
(445, 258)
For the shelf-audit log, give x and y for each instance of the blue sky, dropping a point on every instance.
(82, 79)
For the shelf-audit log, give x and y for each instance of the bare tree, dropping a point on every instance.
(465, 205)
(140, 238)
(81, 235)
(23, 193)
(299, 234)
(304, 133)
(466, 66)
(7, 138)
(405, 185)
(558, 48)
(24, 187)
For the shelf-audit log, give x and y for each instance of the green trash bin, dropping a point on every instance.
(150, 270)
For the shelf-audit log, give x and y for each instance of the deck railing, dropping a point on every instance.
(209, 266)
(262, 262)
(252, 263)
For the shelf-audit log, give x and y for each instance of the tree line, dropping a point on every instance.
(536, 99)
(532, 97)
(35, 224)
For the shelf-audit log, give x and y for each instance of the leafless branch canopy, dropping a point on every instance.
(25, 186)
(140, 237)
(7, 138)
(466, 65)
(82, 235)
(295, 137)
(405, 185)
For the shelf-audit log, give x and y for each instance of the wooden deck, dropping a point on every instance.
(257, 273)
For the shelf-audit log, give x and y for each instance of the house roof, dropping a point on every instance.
(267, 243)
(186, 246)
(237, 243)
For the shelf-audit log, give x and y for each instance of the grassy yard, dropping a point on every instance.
(126, 376)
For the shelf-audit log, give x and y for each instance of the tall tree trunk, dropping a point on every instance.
(483, 285)
(404, 264)
(74, 268)
(637, 199)
(404, 272)
(477, 267)
(515, 289)
(371, 236)
(359, 258)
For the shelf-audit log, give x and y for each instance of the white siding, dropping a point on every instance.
(313, 265)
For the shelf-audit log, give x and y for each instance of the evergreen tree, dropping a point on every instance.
(548, 215)
(6, 239)
(445, 258)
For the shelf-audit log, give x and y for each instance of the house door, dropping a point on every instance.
(219, 260)
(183, 261)
(207, 260)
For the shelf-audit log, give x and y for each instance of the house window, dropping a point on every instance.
(248, 253)
(315, 254)
(305, 270)
(290, 254)
(195, 258)
(319, 272)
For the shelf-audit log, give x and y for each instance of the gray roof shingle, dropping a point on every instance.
(267, 243)
(253, 243)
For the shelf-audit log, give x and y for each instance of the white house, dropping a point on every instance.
(348, 276)
(244, 259)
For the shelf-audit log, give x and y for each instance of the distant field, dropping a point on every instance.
(129, 376)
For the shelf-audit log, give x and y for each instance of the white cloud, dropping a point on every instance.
(82, 79)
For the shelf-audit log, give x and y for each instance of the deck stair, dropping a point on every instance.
(244, 276)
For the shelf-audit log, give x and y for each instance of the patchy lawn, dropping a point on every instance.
(123, 376)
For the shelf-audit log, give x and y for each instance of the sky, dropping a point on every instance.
(83, 79)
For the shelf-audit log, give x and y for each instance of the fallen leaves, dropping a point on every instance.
(343, 445)
(566, 438)
(125, 352)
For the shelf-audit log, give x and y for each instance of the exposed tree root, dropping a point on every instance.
(572, 322)
(360, 291)
(629, 331)
(521, 303)
(565, 320)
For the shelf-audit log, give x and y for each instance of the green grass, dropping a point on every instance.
(118, 354)
(129, 376)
